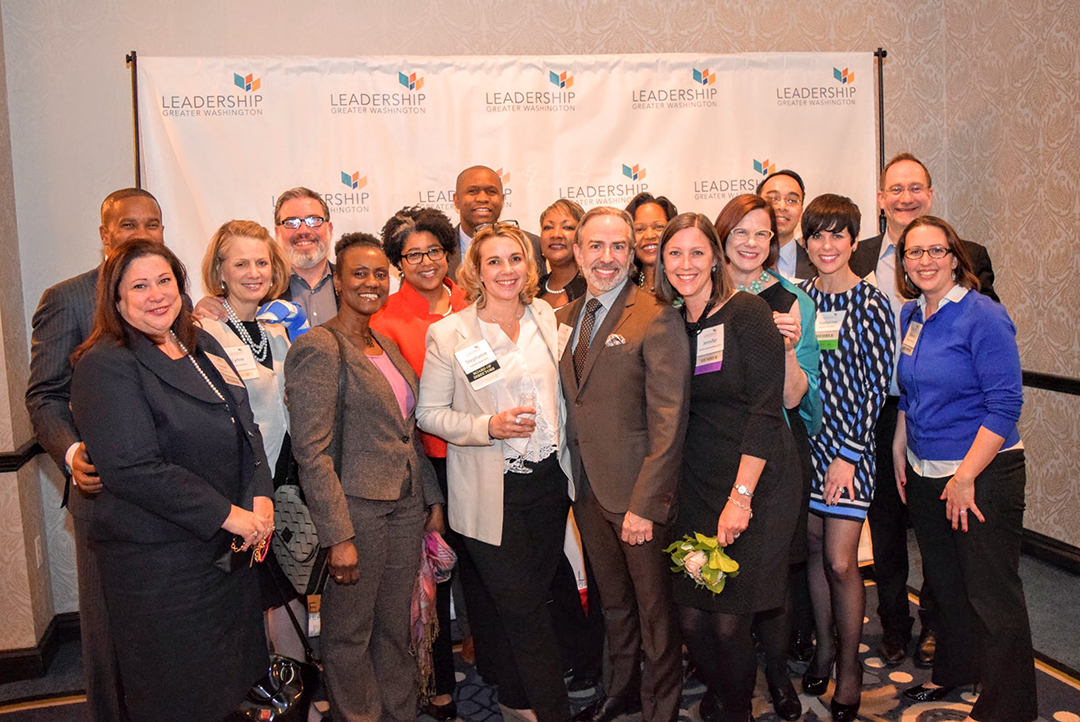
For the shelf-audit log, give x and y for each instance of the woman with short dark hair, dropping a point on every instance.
(651, 214)
(854, 327)
(370, 489)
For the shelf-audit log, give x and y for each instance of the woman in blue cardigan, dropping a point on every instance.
(960, 468)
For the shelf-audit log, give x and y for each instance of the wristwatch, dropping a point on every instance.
(743, 490)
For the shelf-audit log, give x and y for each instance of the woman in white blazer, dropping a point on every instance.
(490, 387)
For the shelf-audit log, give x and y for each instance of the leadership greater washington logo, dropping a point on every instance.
(837, 90)
(211, 104)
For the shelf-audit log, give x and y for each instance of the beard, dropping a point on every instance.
(308, 259)
(601, 284)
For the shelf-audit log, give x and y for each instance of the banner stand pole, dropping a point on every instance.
(132, 60)
(880, 55)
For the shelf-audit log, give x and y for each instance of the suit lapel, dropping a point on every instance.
(569, 315)
(167, 369)
(469, 333)
(617, 315)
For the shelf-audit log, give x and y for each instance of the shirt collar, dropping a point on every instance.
(955, 294)
(296, 278)
(607, 297)
(416, 304)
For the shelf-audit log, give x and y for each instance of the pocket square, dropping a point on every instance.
(615, 340)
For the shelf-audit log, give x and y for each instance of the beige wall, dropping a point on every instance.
(987, 93)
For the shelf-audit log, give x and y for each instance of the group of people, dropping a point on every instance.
(763, 378)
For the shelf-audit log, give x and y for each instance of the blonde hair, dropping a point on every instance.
(219, 246)
(469, 271)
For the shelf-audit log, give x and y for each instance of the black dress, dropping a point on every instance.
(781, 300)
(733, 411)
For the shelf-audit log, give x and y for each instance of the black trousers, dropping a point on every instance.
(442, 649)
(580, 634)
(888, 517)
(984, 634)
(518, 574)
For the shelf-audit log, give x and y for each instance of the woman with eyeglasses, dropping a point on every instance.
(490, 387)
(418, 242)
(959, 465)
(854, 327)
(563, 283)
(747, 228)
(651, 214)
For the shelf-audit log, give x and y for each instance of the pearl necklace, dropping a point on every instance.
(258, 350)
(197, 366)
(552, 291)
(757, 284)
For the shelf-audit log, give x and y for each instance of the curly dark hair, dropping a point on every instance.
(408, 221)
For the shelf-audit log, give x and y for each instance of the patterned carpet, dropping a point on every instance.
(882, 701)
(1059, 695)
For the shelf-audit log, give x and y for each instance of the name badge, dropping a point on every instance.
(911, 338)
(225, 370)
(827, 329)
(480, 365)
(710, 350)
(566, 332)
(244, 361)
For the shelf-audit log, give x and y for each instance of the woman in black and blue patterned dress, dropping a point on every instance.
(854, 327)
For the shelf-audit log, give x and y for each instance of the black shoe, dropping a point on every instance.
(926, 649)
(892, 649)
(801, 646)
(606, 709)
(922, 693)
(785, 700)
(709, 708)
(814, 686)
(844, 712)
(440, 712)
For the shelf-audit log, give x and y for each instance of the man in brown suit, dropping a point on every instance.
(625, 370)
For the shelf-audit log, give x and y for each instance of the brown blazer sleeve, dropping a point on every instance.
(666, 353)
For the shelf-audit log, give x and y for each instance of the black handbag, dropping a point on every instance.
(285, 693)
(296, 541)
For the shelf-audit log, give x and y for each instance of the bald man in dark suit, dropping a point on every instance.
(625, 373)
(62, 321)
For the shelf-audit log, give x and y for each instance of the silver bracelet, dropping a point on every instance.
(744, 508)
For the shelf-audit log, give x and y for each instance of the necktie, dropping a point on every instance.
(581, 351)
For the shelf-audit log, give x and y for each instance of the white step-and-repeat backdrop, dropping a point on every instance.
(221, 137)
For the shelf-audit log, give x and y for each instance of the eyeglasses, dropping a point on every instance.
(415, 258)
(935, 252)
(776, 199)
(657, 228)
(915, 189)
(310, 221)
(741, 234)
(508, 223)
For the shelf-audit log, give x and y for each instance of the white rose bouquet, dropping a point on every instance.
(702, 559)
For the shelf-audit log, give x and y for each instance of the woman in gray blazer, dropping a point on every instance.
(167, 422)
(371, 511)
(491, 388)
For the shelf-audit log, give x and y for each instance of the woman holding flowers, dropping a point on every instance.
(736, 475)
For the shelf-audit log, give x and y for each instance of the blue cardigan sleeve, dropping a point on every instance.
(996, 361)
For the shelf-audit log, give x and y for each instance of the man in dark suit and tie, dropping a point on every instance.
(625, 372)
(905, 193)
(785, 192)
(478, 199)
(63, 321)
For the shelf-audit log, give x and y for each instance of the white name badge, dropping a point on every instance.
(911, 338)
(225, 370)
(827, 329)
(710, 350)
(244, 361)
(565, 334)
(480, 365)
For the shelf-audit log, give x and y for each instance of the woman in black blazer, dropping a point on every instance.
(373, 503)
(166, 420)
